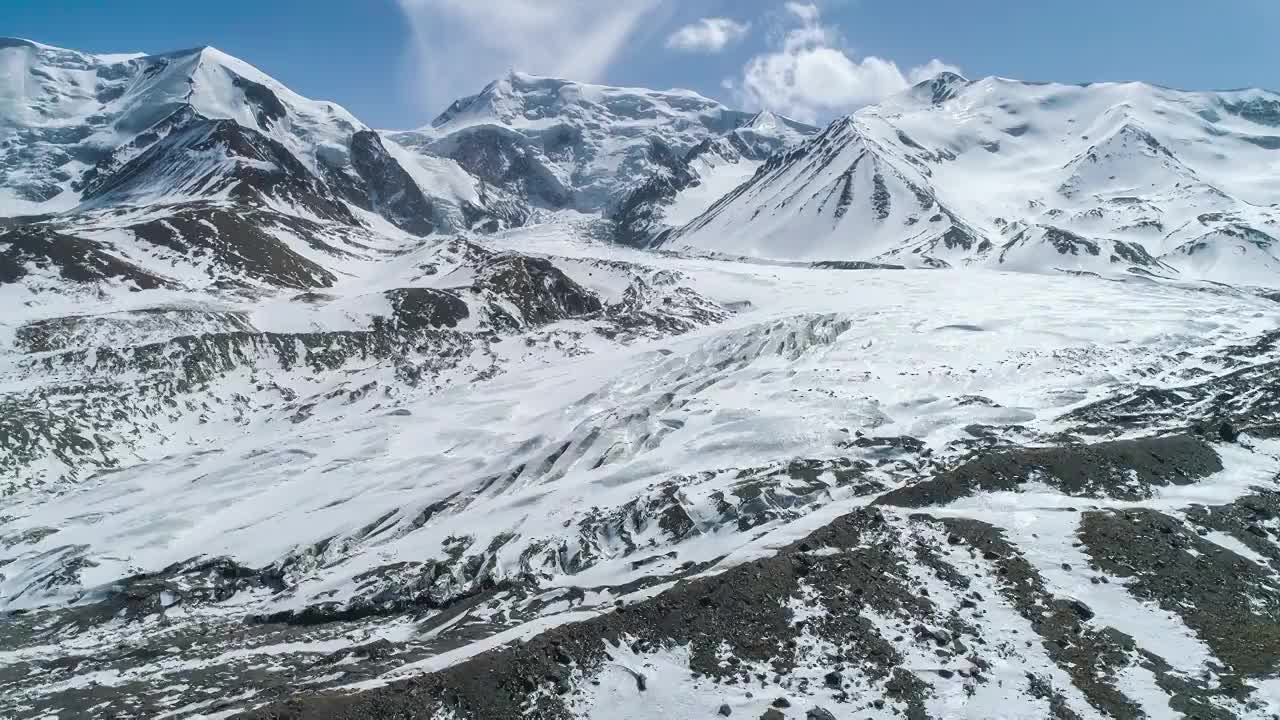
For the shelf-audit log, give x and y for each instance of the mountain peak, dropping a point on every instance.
(949, 77)
(213, 54)
(521, 99)
(73, 59)
(8, 41)
(940, 88)
(764, 119)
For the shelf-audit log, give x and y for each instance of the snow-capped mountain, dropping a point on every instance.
(68, 111)
(954, 171)
(838, 196)
(82, 132)
(576, 146)
(594, 402)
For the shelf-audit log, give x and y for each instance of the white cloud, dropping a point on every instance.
(708, 35)
(930, 70)
(807, 12)
(810, 76)
(459, 45)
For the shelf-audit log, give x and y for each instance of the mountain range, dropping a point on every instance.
(589, 401)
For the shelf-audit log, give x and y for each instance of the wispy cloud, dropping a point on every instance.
(708, 35)
(459, 45)
(809, 75)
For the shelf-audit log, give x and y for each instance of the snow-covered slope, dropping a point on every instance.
(841, 195)
(1146, 167)
(68, 111)
(303, 420)
(685, 187)
(69, 121)
(469, 444)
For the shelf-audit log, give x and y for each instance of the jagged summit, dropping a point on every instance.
(571, 145)
(74, 109)
(520, 99)
(840, 195)
(764, 119)
(940, 88)
(947, 77)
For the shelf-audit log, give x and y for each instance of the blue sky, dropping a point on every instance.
(396, 63)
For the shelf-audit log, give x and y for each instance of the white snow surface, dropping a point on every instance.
(1170, 171)
(810, 357)
(820, 353)
(718, 177)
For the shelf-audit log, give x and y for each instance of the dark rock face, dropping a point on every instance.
(1068, 243)
(942, 88)
(1237, 231)
(1262, 111)
(507, 160)
(638, 217)
(1266, 142)
(1126, 470)
(379, 184)
(1230, 601)
(199, 158)
(1133, 254)
(959, 237)
(881, 201)
(104, 170)
(76, 259)
(820, 178)
(200, 581)
(855, 265)
(540, 290)
(419, 308)
(267, 107)
(165, 160)
(240, 242)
